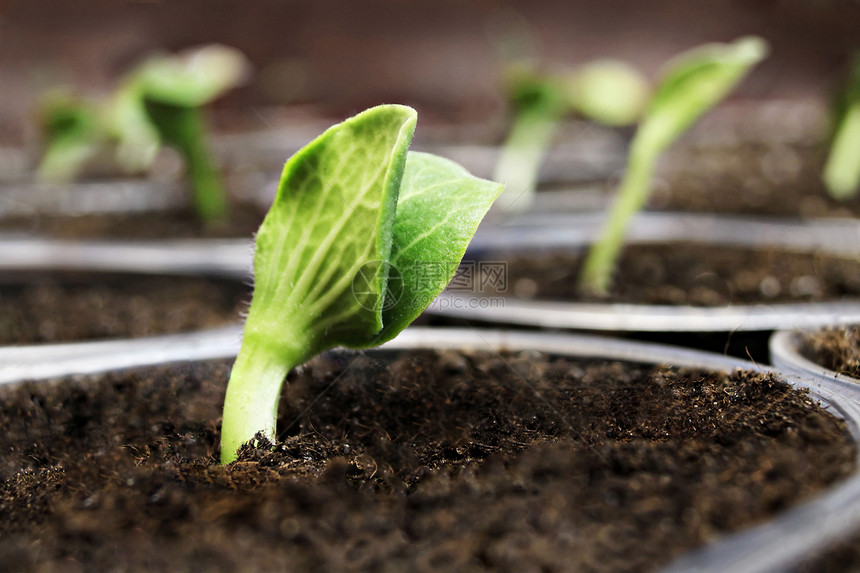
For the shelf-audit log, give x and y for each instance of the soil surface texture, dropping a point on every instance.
(62, 307)
(839, 558)
(435, 461)
(748, 178)
(244, 220)
(690, 274)
(836, 348)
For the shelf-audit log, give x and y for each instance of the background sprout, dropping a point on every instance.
(341, 255)
(72, 134)
(159, 103)
(538, 102)
(610, 92)
(693, 82)
(137, 139)
(605, 91)
(842, 171)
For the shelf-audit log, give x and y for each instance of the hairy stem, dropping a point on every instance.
(253, 392)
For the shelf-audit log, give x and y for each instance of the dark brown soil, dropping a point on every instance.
(244, 221)
(840, 558)
(699, 275)
(60, 307)
(836, 348)
(754, 179)
(437, 462)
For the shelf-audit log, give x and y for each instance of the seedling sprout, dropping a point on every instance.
(73, 134)
(693, 82)
(606, 91)
(339, 256)
(159, 103)
(842, 171)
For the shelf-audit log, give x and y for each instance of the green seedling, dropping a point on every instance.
(605, 91)
(73, 134)
(539, 104)
(693, 83)
(340, 256)
(842, 171)
(160, 104)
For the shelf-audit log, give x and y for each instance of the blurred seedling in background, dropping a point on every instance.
(604, 91)
(692, 83)
(158, 104)
(842, 170)
(339, 256)
(73, 133)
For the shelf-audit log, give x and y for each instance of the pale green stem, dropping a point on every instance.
(210, 199)
(522, 155)
(182, 128)
(596, 274)
(842, 172)
(64, 159)
(254, 390)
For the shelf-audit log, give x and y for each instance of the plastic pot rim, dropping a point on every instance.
(784, 346)
(576, 231)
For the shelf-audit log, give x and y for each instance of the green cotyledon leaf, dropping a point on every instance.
(194, 77)
(439, 210)
(331, 223)
(693, 83)
(331, 219)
